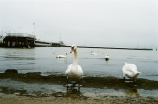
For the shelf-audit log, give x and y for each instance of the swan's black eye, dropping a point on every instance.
(72, 48)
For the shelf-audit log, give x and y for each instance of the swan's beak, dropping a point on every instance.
(71, 50)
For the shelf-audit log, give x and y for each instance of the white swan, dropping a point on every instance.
(130, 71)
(107, 57)
(61, 56)
(94, 53)
(74, 70)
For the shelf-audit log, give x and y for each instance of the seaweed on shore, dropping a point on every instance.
(92, 82)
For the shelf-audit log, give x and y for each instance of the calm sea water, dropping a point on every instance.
(43, 59)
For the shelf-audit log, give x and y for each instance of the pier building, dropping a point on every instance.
(1, 40)
(19, 40)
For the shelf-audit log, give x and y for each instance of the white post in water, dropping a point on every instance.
(34, 28)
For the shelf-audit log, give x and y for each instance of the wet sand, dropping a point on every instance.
(16, 96)
(13, 99)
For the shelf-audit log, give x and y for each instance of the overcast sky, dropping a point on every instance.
(116, 23)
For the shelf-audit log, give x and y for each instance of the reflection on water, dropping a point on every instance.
(19, 58)
(106, 60)
(131, 92)
(74, 95)
(62, 60)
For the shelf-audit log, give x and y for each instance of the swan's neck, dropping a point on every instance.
(75, 62)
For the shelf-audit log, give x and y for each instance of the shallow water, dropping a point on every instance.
(43, 59)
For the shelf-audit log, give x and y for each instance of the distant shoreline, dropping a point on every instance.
(113, 48)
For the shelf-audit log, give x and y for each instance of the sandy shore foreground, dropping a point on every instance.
(23, 93)
(13, 99)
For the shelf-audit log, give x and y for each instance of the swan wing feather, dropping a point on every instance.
(68, 69)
